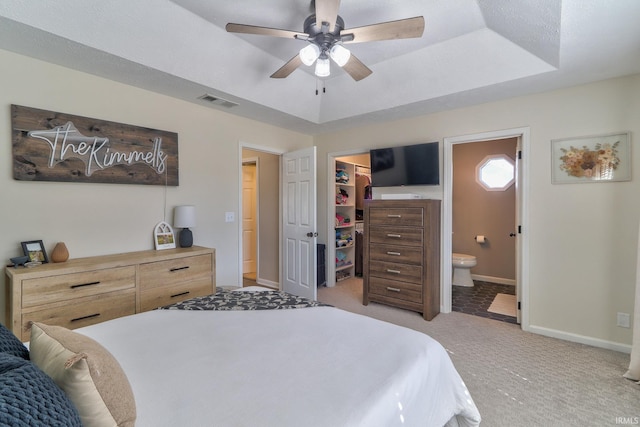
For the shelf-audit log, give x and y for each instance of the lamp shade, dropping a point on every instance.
(309, 54)
(340, 55)
(322, 67)
(184, 216)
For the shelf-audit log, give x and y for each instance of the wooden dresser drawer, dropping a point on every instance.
(396, 254)
(64, 287)
(396, 271)
(171, 272)
(396, 236)
(82, 311)
(393, 289)
(153, 298)
(396, 216)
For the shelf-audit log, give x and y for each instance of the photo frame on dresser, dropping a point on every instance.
(163, 236)
(34, 249)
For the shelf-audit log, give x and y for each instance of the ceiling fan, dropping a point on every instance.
(325, 33)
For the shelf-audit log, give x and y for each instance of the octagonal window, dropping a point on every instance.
(496, 172)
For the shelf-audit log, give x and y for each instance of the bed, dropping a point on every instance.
(266, 363)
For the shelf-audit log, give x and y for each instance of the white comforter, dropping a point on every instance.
(316, 366)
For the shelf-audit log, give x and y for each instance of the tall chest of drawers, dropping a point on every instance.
(84, 291)
(402, 254)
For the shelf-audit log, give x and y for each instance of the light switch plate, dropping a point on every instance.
(229, 217)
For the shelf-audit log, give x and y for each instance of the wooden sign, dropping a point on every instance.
(50, 146)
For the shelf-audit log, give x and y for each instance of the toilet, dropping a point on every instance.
(462, 264)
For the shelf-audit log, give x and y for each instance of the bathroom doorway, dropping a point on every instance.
(501, 260)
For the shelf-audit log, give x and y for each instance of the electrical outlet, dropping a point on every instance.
(229, 217)
(623, 320)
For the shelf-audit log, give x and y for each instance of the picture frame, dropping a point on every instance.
(163, 236)
(590, 159)
(34, 249)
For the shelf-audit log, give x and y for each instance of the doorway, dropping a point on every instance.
(521, 218)
(259, 207)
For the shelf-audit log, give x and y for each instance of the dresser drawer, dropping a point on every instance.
(171, 272)
(396, 236)
(393, 289)
(396, 216)
(153, 298)
(64, 287)
(396, 271)
(396, 254)
(82, 311)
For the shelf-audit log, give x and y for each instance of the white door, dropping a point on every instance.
(518, 230)
(299, 222)
(249, 222)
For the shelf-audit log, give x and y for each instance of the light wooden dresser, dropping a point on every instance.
(84, 291)
(402, 254)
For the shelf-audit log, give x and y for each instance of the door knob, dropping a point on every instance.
(310, 234)
(512, 234)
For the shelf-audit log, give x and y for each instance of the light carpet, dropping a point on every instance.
(517, 378)
(504, 304)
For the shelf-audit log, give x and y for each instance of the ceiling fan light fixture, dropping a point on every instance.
(340, 54)
(309, 54)
(323, 69)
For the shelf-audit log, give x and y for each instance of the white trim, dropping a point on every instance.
(523, 239)
(491, 279)
(567, 336)
(268, 283)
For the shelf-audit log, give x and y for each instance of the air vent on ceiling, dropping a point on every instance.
(217, 101)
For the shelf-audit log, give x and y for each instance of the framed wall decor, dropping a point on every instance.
(600, 158)
(163, 236)
(34, 249)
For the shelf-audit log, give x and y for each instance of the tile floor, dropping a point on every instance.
(476, 300)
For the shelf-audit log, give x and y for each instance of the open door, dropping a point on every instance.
(299, 222)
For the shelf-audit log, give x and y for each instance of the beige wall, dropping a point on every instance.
(478, 211)
(96, 219)
(268, 215)
(582, 238)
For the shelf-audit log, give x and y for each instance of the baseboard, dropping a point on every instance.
(268, 283)
(490, 279)
(567, 336)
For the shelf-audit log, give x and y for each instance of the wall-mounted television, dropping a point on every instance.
(405, 165)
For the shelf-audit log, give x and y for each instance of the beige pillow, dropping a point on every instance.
(91, 377)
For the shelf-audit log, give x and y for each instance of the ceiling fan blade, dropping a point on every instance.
(287, 68)
(392, 30)
(356, 69)
(263, 31)
(327, 11)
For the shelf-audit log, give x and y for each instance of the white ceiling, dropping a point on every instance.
(472, 51)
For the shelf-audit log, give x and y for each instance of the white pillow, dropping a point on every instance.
(90, 376)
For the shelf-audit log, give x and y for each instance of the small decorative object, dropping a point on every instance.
(163, 236)
(34, 249)
(602, 158)
(60, 253)
(185, 217)
(19, 260)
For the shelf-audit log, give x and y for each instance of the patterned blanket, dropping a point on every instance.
(230, 300)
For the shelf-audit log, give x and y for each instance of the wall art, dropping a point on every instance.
(51, 146)
(600, 158)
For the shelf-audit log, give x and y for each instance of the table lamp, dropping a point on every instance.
(184, 217)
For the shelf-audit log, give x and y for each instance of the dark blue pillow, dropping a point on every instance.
(9, 343)
(29, 397)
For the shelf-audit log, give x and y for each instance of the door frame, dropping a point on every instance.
(255, 161)
(331, 210)
(522, 239)
(278, 152)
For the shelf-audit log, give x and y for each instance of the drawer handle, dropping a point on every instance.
(179, 268)
(84, 284)
(180, 294)
(394, 216)
(393, 271)
(389, 288)
(77, 319)
(393, 253)
(396, 236)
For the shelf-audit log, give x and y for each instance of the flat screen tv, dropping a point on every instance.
(405, 165)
